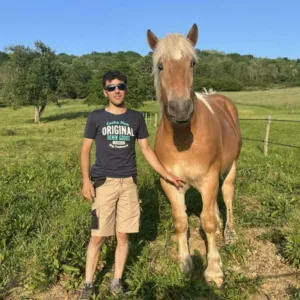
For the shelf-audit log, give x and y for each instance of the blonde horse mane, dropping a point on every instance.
(172, 47)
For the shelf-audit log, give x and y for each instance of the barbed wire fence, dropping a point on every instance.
(266, 141)
(153, 120)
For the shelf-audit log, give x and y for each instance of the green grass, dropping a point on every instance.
(46, 220)
(286, 99)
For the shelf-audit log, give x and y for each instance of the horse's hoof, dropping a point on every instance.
(214, 277)
(186, 265)
(230, 236)
(217, 281)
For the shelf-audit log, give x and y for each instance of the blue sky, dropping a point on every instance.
(262, 28)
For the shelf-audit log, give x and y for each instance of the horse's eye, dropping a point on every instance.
(193, 63)
(160, 67)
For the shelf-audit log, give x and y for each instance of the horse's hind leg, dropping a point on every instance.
(228, 194)
(209, 223)
(180, 220)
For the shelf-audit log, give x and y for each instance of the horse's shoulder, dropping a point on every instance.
(222, 101)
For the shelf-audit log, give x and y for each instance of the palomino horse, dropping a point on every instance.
(199, 140)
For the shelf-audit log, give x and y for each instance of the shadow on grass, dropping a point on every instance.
(191, 287)
(194, 287)
(189, 290)
(293, 292)
(64, 116)
(194, 205)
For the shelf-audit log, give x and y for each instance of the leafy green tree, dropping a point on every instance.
(95, 91)
(3, 57)
(144, 69)
(33, 77)
(83, 75)
(75, 78)
(67, 82)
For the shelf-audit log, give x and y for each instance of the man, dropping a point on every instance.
(114, 191)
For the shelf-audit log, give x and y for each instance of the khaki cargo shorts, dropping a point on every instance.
(116, 203)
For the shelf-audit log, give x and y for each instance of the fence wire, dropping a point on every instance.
(272, 120)
(274, 143)
(255, 140)
(270, 142)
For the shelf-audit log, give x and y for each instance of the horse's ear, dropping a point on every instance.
(152, 39)
(193, 35)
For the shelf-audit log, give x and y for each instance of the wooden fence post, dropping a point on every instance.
(155, 122)
(150, 119)
(146, 117)
(266, 140)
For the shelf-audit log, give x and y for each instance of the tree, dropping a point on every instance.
(33, 77)
(144, 68)
(3, 57)
(95, 91)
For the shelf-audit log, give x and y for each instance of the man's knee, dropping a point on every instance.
(97, 241)
(122, 238)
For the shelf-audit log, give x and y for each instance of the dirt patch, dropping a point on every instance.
(265, 261)
(56, 292)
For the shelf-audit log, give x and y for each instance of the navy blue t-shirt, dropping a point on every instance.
(115, 137)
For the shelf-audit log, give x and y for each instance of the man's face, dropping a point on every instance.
(115, 91)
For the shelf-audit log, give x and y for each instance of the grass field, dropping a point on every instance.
(45, 221)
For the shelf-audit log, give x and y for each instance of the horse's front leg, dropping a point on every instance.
(209, 223)
(176, 197)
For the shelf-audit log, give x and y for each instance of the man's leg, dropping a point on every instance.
(128, 221)
(121, 253)
(103, 222)
(92, 257)
(128, 217)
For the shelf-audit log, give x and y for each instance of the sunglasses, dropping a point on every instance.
(112, 87)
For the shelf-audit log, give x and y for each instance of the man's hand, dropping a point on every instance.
(157, 165)
(178, 182)
(88, 191)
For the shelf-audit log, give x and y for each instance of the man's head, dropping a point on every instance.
(114, 87)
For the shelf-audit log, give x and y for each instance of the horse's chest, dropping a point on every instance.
(186, 171)
(185, 164)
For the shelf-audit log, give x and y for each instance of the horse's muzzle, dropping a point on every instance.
(180, 111)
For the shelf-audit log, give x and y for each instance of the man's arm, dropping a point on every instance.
(87, 188)
(156, 164)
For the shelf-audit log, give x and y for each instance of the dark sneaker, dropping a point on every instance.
(86, 292)
(117, 287)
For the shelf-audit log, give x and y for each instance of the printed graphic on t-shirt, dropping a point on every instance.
(119, 133)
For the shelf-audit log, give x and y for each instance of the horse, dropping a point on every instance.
(198, 140)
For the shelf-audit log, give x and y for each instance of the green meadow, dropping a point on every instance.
(45, 222)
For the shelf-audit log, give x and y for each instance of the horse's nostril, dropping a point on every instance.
(190, 106)
(172, 105)
(172, 108)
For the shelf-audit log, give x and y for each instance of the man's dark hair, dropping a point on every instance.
(113, 74)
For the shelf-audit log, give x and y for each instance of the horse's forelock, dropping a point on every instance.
(172, 47)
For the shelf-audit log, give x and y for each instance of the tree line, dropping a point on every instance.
(35, 76)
